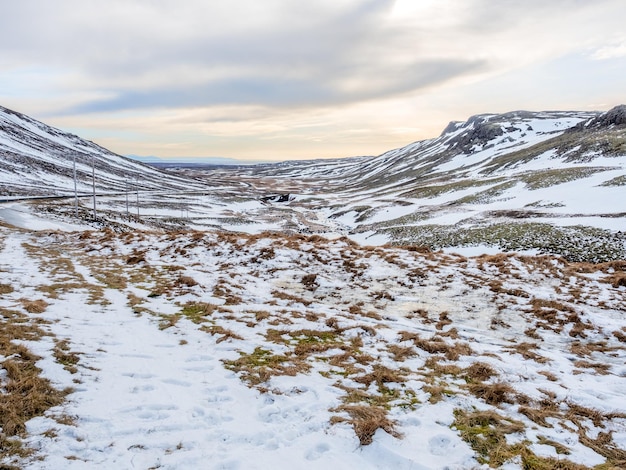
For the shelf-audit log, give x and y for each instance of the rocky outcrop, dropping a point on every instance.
(479, 132)
(615, 117)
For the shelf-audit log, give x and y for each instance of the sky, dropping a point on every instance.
(282, 79)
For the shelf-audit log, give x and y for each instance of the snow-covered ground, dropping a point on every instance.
(216, 350)
(191, 337)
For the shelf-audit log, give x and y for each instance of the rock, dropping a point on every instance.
(480, 131)
(612, 118)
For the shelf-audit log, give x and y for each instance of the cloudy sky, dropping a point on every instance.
(284, 79)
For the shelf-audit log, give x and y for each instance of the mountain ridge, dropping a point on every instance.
(548, 182)
(38, 159)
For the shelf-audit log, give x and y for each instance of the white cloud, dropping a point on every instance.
(616, 50)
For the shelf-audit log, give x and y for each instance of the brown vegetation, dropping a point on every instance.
(366, 420)
(25, 394)
(35, 306)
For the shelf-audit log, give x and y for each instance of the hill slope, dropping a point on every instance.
(514, 181)
(36, 159)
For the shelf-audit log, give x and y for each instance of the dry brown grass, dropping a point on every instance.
(548, 375)
(444, 320)
(526, 350)
(401, 353)
(134, 300)
(136, 257)
(309, 281)
(616, 280)
(479, 371)
(260, 315)
(620, 335)
(602, 369)
(282, 295)
(198, 312)
(485, 432)
(358, 310)
(25, 394)
(225, 333)
(259, 366)
(604, 445)
(366, 420)
(437, 345)
(65, 356)
(5, 289)
(578, 415)
(168, 321)
(437, 392)
(434, 368)
(224, 291)
(538, 414)
(585, 349)
(112, 279)
(532, 333)
(35, 306)
(539, 304)
(186, 281)
(493, 394)
(381, 375)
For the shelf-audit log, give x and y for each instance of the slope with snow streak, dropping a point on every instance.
(38, 159)
(494, 180)
(237, 351)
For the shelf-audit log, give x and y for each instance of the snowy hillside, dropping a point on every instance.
(36, 159)
(517, 181)
(537, 182)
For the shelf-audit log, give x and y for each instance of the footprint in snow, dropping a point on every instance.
(143, 388)
(440, 445)
(317, 451)
(180, 383)
(135, 375)
(218, 399)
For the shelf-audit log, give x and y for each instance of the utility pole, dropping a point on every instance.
(93, 176)
(75, 190)
(137, 188)
(126, 191)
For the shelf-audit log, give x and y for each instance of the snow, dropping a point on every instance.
(147, 395)
(20, 215)
(175, 406)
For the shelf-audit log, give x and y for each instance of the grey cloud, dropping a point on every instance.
(305, 54)
(281, 92)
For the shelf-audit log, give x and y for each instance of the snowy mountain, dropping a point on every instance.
(36, 159)
(547, 182)
(513, 181)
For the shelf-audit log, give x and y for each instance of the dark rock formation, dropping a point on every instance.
(615, 117)
(479, 131)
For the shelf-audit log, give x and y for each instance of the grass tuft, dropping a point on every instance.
(366, 420)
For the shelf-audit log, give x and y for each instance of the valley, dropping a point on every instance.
(456, 303)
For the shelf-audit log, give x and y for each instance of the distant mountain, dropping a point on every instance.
(192, 161)
(37, 159)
